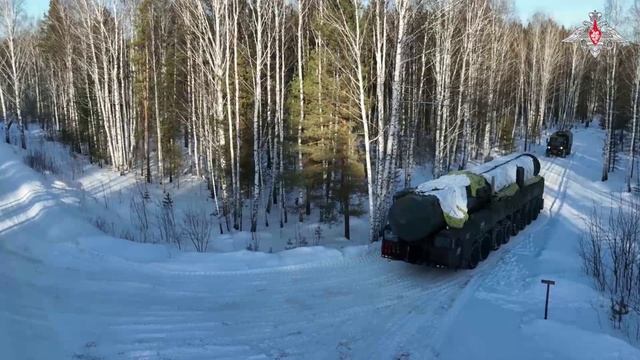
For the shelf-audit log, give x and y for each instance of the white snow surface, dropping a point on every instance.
(68, 291)
(451, 193)
(505, 174)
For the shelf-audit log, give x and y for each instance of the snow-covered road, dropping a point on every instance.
(67, 292)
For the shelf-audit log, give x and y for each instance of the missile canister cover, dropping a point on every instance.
(447, 201)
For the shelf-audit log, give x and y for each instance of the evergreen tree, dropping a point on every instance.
(334, 165)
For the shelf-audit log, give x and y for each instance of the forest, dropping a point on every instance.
(284, 106)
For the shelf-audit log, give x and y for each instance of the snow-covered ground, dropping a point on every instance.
(68, 291)
(106, 196)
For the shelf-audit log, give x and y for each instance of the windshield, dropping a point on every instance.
(556, 141)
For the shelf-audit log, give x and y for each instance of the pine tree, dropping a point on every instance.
(333, 158)
(167, 202)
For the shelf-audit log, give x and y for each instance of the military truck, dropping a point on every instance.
(560, 143)
(457, 220)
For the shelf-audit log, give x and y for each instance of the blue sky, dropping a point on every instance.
(569, 13)
(36, 8)
(566, 12)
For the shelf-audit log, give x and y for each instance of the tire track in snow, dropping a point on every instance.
(324, 319)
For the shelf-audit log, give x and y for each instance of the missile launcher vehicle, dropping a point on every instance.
(458, 219)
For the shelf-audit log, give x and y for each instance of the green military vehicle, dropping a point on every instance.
(458, 219)
(559, 143)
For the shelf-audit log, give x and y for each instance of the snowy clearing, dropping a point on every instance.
(68, 291)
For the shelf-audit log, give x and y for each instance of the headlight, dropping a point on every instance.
(561, 148)
(548, 147)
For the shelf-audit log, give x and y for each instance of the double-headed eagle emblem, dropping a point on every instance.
(595, 35)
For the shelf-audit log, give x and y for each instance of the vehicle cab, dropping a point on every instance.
(559, 143)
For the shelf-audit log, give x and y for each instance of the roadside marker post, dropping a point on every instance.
(546, 302)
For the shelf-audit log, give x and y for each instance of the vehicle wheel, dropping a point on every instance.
(474, 258)
(506, 231)
(522, 219)
(536, 208)
(485, 247)
(413, 254)
(513, 224)
(498, 235)
(529, 213)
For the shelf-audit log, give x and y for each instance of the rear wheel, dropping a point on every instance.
(485, 246)
(507, 230)
(498, 234)
(529, 212)
(522, 219)
(536, 208)
(413, 254)
(513, 224)
(474, 258)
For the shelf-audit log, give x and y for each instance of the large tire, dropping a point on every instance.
(522, 219)
(485, 246)
(474, 258)
(508, 231)
(498, 233)
(536, 208)
(513, 224)
(413, 254)
(528, 213)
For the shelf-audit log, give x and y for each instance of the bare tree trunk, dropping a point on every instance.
(238, 198)
(300, 201)
(380, 44)
(154, 61)
(610, 96)
(634, 124)
(145, 105)
(388, 174)
(232, 159)
(259, 25)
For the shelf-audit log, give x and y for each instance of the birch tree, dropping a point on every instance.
(14, 69)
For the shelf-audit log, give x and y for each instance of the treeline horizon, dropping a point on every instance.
(289, 105)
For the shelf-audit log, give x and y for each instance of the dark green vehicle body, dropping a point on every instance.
(417, 233)
(560, 143)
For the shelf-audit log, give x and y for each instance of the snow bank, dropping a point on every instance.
(244, 260)
(450, 191)
(108, 246)
(570, 342)
(109, 252)
(502, 171)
